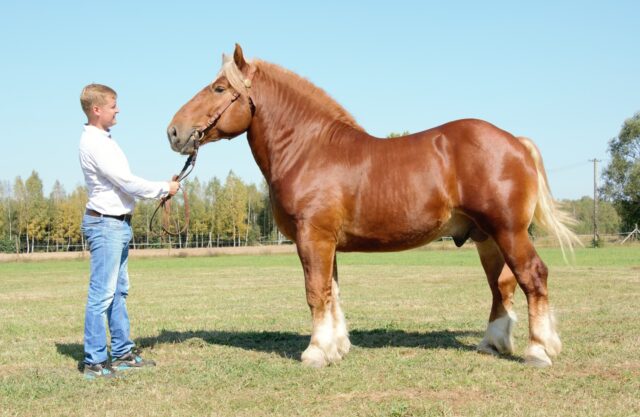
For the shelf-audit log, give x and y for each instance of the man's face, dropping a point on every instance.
(107, 112)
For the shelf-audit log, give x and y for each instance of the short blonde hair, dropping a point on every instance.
(95, 95)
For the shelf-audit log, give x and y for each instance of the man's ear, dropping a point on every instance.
(238, 58)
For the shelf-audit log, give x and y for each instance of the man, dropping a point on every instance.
(112, 190)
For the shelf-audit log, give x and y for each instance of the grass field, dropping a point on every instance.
(227, 333)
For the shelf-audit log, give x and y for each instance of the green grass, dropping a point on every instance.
(227, 333)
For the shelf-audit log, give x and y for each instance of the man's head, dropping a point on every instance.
(99, 104)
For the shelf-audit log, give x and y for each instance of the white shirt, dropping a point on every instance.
(111, 185)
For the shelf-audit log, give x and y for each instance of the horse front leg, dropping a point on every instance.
(339, 322)
(329, 337)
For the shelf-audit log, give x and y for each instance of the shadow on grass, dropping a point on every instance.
(291, 345)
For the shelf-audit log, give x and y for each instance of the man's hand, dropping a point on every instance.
(174, 186)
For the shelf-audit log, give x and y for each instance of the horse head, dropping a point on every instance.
(221, 110)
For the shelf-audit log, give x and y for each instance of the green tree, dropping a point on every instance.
(140, 222)
(268, 228)
(255, 206)
(397, 135)
(582, 211)
(198, 225)
(38, 220)
(232, 208)
(57, 197)
(212, 208)
(21, 207)
(622, 175)
(7, 218)
(77, 203)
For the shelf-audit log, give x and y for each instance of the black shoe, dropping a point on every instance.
(131, 360)
(99, 370)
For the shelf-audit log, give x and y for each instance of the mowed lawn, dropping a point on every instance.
(227, 333)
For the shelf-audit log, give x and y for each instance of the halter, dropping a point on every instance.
(197, 137)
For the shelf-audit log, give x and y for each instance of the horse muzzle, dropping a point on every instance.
(182, 140)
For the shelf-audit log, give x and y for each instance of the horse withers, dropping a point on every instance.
(333, 187)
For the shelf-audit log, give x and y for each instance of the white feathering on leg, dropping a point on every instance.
(499, 335)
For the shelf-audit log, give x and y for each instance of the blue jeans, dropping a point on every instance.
(108, 241)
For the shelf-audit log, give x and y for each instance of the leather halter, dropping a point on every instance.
(197, 136)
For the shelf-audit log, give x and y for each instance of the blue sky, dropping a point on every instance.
(562, 73)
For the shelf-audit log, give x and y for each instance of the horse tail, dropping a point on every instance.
(548, 213)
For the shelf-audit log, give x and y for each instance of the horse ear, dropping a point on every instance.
(238, 57)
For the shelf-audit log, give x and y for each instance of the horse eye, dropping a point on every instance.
(218, 89)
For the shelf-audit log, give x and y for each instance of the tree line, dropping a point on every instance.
(232, 213)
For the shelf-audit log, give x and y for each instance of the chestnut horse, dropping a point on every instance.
(333, 187)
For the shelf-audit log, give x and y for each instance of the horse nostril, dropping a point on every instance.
(172, 133)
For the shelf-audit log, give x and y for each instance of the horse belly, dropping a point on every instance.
(393, 235)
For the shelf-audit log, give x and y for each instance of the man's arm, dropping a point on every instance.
(114, 166)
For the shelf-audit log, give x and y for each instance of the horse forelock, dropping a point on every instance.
(318, 100)
(233, 74)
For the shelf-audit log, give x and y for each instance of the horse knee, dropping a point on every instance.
(316, 301)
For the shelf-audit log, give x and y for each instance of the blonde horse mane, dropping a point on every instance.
(293, 81)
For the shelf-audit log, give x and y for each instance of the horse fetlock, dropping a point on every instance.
(546, 335)
(553, 344)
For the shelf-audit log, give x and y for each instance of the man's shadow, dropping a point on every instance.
(290, 345)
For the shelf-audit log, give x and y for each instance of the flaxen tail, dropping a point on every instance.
(548, 214)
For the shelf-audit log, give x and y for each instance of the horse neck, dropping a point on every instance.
(288, 124)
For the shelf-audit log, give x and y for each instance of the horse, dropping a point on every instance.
(335, 188)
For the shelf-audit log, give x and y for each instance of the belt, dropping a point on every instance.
(122, 217)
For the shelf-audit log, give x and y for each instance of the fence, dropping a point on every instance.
(444, 242)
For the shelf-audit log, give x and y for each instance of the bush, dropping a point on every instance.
(7, 245)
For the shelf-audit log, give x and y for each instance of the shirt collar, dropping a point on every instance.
(94, 130)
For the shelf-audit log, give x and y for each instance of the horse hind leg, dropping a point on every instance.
(531, 274)
(498, 338)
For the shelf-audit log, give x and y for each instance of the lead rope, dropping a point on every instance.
(165, 202)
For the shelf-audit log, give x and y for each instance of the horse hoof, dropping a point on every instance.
(486, 349)
(537, 357)
(498, 338)
(314, 357)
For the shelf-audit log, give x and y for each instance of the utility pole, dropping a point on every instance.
(596, 237)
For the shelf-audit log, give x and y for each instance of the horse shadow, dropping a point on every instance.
(290, 345)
